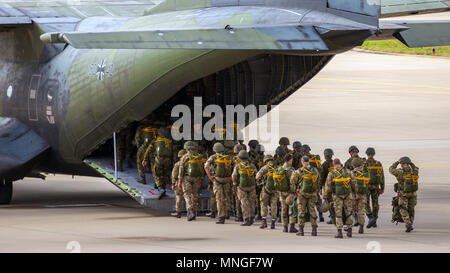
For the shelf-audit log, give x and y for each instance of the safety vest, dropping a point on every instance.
(270, 182)
(223, 166)
(163, 147)
(375, 170)
(281, 179)
(362, 182)
(315, 161)
(194, 165)
(411, 181)
(246, 175)
(309, 178)
(342, 183)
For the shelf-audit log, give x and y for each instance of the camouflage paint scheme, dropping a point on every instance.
(75, 98)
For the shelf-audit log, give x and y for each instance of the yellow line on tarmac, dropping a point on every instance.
(377, 91)
(384, 83)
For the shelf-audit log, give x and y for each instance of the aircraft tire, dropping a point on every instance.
(6, 190)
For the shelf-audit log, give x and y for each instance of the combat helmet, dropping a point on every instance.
(267, 158)
(260, 148)
(237, 148)
(228, 144)
(253, 143)
(306, 148)
(370, 151)
(181, 153)
(190, 145)
(405, 160)
(328, 152)
(353, 148)
(284, 141)
(218, 148)
(297, 144)
(243, 155)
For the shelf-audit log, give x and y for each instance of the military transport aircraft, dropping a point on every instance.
(74, 72)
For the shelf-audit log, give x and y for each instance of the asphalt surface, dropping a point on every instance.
(398, 104)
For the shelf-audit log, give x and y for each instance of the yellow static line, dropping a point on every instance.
(384, 83)
(377, 91)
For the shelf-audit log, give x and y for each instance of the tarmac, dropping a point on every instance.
(398, 104)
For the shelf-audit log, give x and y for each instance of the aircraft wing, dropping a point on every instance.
(390, 8)
(20, 146)
(283, 37)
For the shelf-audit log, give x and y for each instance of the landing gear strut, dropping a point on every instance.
(6, 189)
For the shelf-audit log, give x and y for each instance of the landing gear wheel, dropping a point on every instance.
(6, 189)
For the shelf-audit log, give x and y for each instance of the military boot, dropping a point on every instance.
(228, 215)
(263, 223)
(372, 221)
(258, 217)
(355, 220)
(174, 214)
(194, 215)
(279, 219)
(252, 220)
(339, 234)
(321, 217)
(212, 214)
(409, 228)
(314, 231)
(142, 180)
(190, 215)
(285, 229)
(300, 231)
(272, 224)
(374, 225)
(246, 222)
(292, 229)
(349, 233)
(361, 229)
(221, 220)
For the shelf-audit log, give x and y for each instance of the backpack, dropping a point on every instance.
(342, 182)
(410, 181)
(246, 175)
(163, 147)
(315, 161)
(310, 184)
(281, 181)
(270, 181)
(362, 181)
(375, 169)
(194, 165)
(223, 166)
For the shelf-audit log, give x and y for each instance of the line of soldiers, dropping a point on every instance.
(295, 180)
(291, 183)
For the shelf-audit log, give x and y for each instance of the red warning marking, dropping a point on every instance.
(153, 193)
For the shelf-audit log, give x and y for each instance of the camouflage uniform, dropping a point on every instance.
(192, 184)
(342, 202)
(222, 185)
(327, 166)
(376, 185)
(316, 162)
(177, 190)
(144, 135)
(161, 162)
(269, 196)
(407, 198)
(286, 195)
(306, 182)
(360, 184)
(235, 198)
(247, 192)
(254, 159)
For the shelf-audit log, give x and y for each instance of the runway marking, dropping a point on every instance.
(377, 91)
(384, 83)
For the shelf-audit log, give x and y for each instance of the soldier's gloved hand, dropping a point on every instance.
(173, 187)
(144, 163)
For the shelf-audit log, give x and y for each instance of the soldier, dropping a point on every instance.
(229, 145)
(221, 164)
(269, 196)
(280, 153)
(282, 177)
(244, 180)
(191, 178)
(360, 184)
(376, 187)
(237, 204)
(327, 166)
(315, 161)
(160, 149)
(124, 148)
(407, 178)
(175, 188)
(306, 182)
(297, 154)
(338, 183)
(260, 159)
(145, 133)
(354, 153)
(254, 158)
